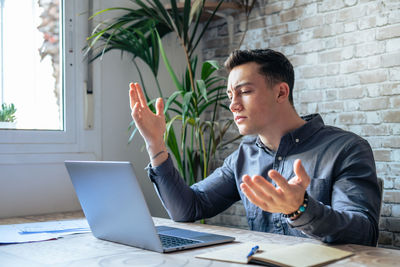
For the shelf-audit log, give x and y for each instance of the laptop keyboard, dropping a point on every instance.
(173, 241)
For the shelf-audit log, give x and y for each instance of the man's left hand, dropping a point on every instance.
(286, 198)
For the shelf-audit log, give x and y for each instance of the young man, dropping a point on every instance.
(295, 175)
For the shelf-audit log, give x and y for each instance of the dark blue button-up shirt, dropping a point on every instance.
(344, 196)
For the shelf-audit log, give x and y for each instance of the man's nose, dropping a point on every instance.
(235, 103)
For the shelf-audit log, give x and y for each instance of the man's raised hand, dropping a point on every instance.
(151, 126)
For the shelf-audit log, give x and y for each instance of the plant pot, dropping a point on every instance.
(8, 125)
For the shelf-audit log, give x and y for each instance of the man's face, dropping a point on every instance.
(252, 100)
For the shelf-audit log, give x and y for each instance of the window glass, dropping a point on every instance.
(31, 65)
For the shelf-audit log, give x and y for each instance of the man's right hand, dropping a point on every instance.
(151, 126)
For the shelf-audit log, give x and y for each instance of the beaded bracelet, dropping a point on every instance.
(301, 209)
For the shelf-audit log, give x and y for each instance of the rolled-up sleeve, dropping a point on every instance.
(353, 214)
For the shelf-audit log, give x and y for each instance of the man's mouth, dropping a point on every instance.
(239, 119)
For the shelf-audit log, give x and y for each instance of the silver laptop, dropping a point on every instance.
(116, 210)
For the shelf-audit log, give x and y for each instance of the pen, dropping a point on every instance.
(253, 251)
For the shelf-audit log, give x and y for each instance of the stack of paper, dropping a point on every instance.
(29, 232)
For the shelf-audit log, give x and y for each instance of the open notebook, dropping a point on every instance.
(299, 255)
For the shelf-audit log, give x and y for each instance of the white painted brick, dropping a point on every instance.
(373, 117)
(394, 74)
(312, 108)
(386, 210)
(288, 51)
(393, 17)
(331, 106)
(354, 65)
(382, 19)
(396, 129)
(288, 4)
(395, 101)
(387, 32)
(368, 49)
(349, 14)
(277, 29)
(293, 26)
(373, 90)
(375, 142)
(330, 94)
(350, 2)
(313, 84)
(374, 62)
(374, 103)
(373, 76)
(311, 10)
(305, 36)
(351, 80)
(391, 60)
(354, 129)
(396, 210)
(331, 18)
(396, 155)
(311, 96)
(330, 118)
(311, 21)
(273, 19)
(330, 5)
(366, 22)
(309, 46)
(375, 130)
(390, 89)
(351, 93)
(352, 118)
(350, 38)
(393, 45)
(351, 106)
(350, 27)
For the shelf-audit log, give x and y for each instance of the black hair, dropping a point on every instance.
(274, 66)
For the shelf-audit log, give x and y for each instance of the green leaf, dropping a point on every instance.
(186, 101)
(168, 65)
(171, 99)
(208, 68)
(201, 85)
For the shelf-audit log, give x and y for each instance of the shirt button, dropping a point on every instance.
(279, 158)
(297, 140)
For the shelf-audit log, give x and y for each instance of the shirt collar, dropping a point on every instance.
(313, 124)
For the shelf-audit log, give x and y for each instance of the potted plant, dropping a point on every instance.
(7, 116)
(139, 32)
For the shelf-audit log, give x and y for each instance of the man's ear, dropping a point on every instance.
(282, 92)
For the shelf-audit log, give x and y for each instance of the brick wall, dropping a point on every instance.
(346, 55)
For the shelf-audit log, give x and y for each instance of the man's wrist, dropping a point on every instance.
(157, 153)
(296, 214)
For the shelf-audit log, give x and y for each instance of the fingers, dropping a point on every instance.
(302, 177)
(141, 97)
(254, 193)
(159, 106)
(133, 98)
(136, 95)
(259, 185)
(279, 180)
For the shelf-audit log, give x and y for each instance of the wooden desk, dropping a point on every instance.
(86, 250)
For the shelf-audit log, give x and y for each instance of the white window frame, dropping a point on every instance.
(69, 140)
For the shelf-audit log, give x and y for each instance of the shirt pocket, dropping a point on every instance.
(320, 190)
